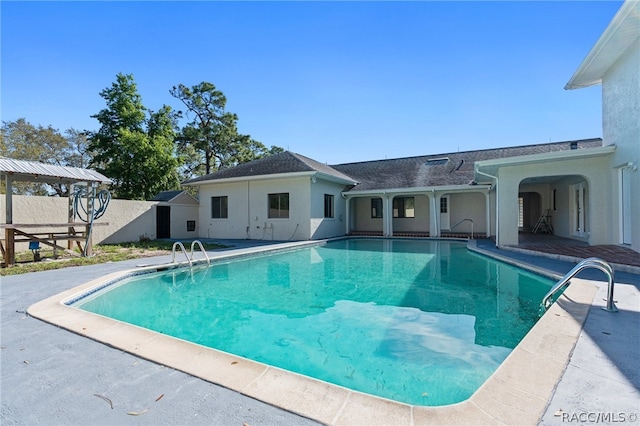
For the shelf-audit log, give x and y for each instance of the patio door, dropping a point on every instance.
(163, 222)
(578, 213)
(444, 213)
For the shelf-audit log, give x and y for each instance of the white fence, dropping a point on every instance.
(127, 220)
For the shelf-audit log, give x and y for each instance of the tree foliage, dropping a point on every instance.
(21, 140)
(211, 141)
(134, 146)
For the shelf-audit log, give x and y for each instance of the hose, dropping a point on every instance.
(103, 198)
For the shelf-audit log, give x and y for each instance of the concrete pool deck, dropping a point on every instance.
(53, 376)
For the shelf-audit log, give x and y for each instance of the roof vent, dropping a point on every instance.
(437, 161)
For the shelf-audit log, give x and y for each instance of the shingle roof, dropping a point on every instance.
(166, 195)
(444, 169)
(284, 162)
(455, 168)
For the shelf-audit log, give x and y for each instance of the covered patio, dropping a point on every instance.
(48, 234)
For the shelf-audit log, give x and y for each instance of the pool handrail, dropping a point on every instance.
(184, 251)
(201, 247)
(591, 262)
(462, 221)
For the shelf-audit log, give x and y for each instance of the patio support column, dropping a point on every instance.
(347, 215)
(487, 202)
(9, 202)
(435, 224)
(387, 214)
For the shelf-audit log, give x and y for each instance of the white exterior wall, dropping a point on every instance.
(362, 216)
(621, 127)
(128, 220)
(248, 216)
(419, 223)
(596, 175)
(468, 206)
(236, 225)
(321, 227)
(180, 214)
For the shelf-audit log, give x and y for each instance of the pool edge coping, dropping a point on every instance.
(517, 392)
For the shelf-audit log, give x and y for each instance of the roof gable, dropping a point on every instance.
(281, 163)
(177, 197)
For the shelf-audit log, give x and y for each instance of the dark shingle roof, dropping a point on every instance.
(448, 169)
(455, 168)
(284, 162)
(166, 195)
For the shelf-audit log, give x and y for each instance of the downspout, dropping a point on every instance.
(497, 201)
(248, 210)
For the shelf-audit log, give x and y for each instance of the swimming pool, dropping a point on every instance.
(421, 322)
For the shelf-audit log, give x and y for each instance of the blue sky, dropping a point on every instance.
(335, 81)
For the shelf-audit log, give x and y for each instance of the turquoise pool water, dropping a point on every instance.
(420, 322)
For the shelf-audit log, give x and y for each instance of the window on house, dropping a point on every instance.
(444, 205)
(376, 208)
(404, 207)
(191, 225)
(279, 205)
(520, 212)
(219, 207)
(328, 205)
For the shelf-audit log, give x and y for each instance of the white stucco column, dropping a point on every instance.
(433, 223)
(387, 214)
(347, 215)
(487, 201)
(507, 206)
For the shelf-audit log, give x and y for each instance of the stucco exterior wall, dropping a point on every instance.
(419, 223)
(468, 206)
(363, 221)
(596, 176)
(321, 227)
(128, 220)
(621, 127)
(248, 210)
(180, 214)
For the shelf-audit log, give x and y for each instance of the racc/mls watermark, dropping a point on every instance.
(583, 417)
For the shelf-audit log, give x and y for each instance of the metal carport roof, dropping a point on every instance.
(33, 171)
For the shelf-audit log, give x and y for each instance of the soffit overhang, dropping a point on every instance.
(491, 166)
(621, 33)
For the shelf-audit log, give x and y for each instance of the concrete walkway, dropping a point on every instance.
(50, 376)
(53, 377)
(601, 384)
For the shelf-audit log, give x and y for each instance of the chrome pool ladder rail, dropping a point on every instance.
(462, 221)
(184, 251)
(201, 247)
(591, 262)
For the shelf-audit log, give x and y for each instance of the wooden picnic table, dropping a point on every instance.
(15, 232)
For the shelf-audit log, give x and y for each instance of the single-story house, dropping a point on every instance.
(582, 189)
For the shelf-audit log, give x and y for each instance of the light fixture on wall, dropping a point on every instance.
(313, 179)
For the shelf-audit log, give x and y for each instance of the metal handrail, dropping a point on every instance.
(184, 251)
(591, 262)
(199, 244)
(464, 220)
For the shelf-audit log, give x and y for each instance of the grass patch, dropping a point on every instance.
(102, 253)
